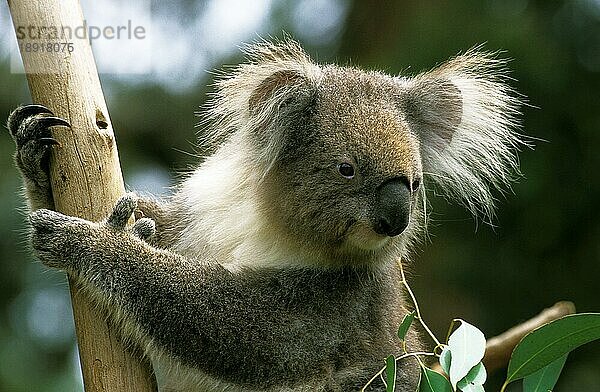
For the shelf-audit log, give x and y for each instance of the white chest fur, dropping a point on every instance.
(224, 219)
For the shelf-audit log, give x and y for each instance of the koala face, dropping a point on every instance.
(347, 178)
(339, 154)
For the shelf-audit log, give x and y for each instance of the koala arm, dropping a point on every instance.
(153, 290)
(251, 327)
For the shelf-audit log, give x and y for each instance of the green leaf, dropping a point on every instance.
(467, 345)
(544, 379)
(550, 342)
(405, 325)
(446, 359)
(476, 377)
(433, 382)
(390, 373)
(473, 388)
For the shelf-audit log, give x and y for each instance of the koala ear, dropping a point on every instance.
(466, 117)
(433, 107)
(275, 87)
(276, 81)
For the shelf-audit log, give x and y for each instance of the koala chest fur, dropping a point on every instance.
(274, 266)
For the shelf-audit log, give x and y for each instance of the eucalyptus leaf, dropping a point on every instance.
(405, 325)
(467, 345)
(476, 376)
(446, 359)
(544, 379)
(433, 382)
(473, 388)
(550, 342)
(390, 373)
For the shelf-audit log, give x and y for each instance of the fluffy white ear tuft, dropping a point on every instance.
(466, 117)
(276, 77)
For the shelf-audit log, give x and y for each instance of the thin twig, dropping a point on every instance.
(416, 305)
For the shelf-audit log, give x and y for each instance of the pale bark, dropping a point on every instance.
(85, 174)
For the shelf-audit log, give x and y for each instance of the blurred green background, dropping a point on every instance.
(545, 245)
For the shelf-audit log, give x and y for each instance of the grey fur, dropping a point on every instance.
(144, 229)
(263, 271)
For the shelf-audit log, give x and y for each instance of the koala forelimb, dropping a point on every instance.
(240, 327)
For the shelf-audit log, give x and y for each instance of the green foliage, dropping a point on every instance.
(405, 325)
(539, 357)
(550, 342)
(390, 373)
(544, 379)
(433, 382)
(472, 388)
(467, 346)
(461, 358)
(474, 380)
(445, 359)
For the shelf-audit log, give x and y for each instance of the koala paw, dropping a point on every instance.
(66, 242)
(143, 228)
(29, 126)
(57, 238)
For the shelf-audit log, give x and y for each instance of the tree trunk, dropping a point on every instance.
(85, 174)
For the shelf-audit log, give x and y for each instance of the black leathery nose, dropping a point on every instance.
(392, 208)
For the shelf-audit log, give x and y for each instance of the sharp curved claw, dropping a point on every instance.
(49, 141)
(21, 113)
(52, 121)
(30, 110)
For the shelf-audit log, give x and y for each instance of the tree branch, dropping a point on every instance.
(85, 173)
(499, 348)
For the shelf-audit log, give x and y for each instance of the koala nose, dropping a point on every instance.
(392, 207)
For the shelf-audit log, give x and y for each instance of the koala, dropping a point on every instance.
(275, 265)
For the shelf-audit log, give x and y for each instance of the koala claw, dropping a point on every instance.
(22, 112)
(30, 122)
(51, 121)
(29, 126)
(49, 141)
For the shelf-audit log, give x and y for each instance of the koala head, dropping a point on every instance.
(344, 154)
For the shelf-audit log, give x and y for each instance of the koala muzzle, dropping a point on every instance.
(392, 207)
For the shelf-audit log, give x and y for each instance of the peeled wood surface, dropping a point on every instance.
(86, 178)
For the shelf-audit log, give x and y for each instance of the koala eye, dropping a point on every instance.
(346, 170)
